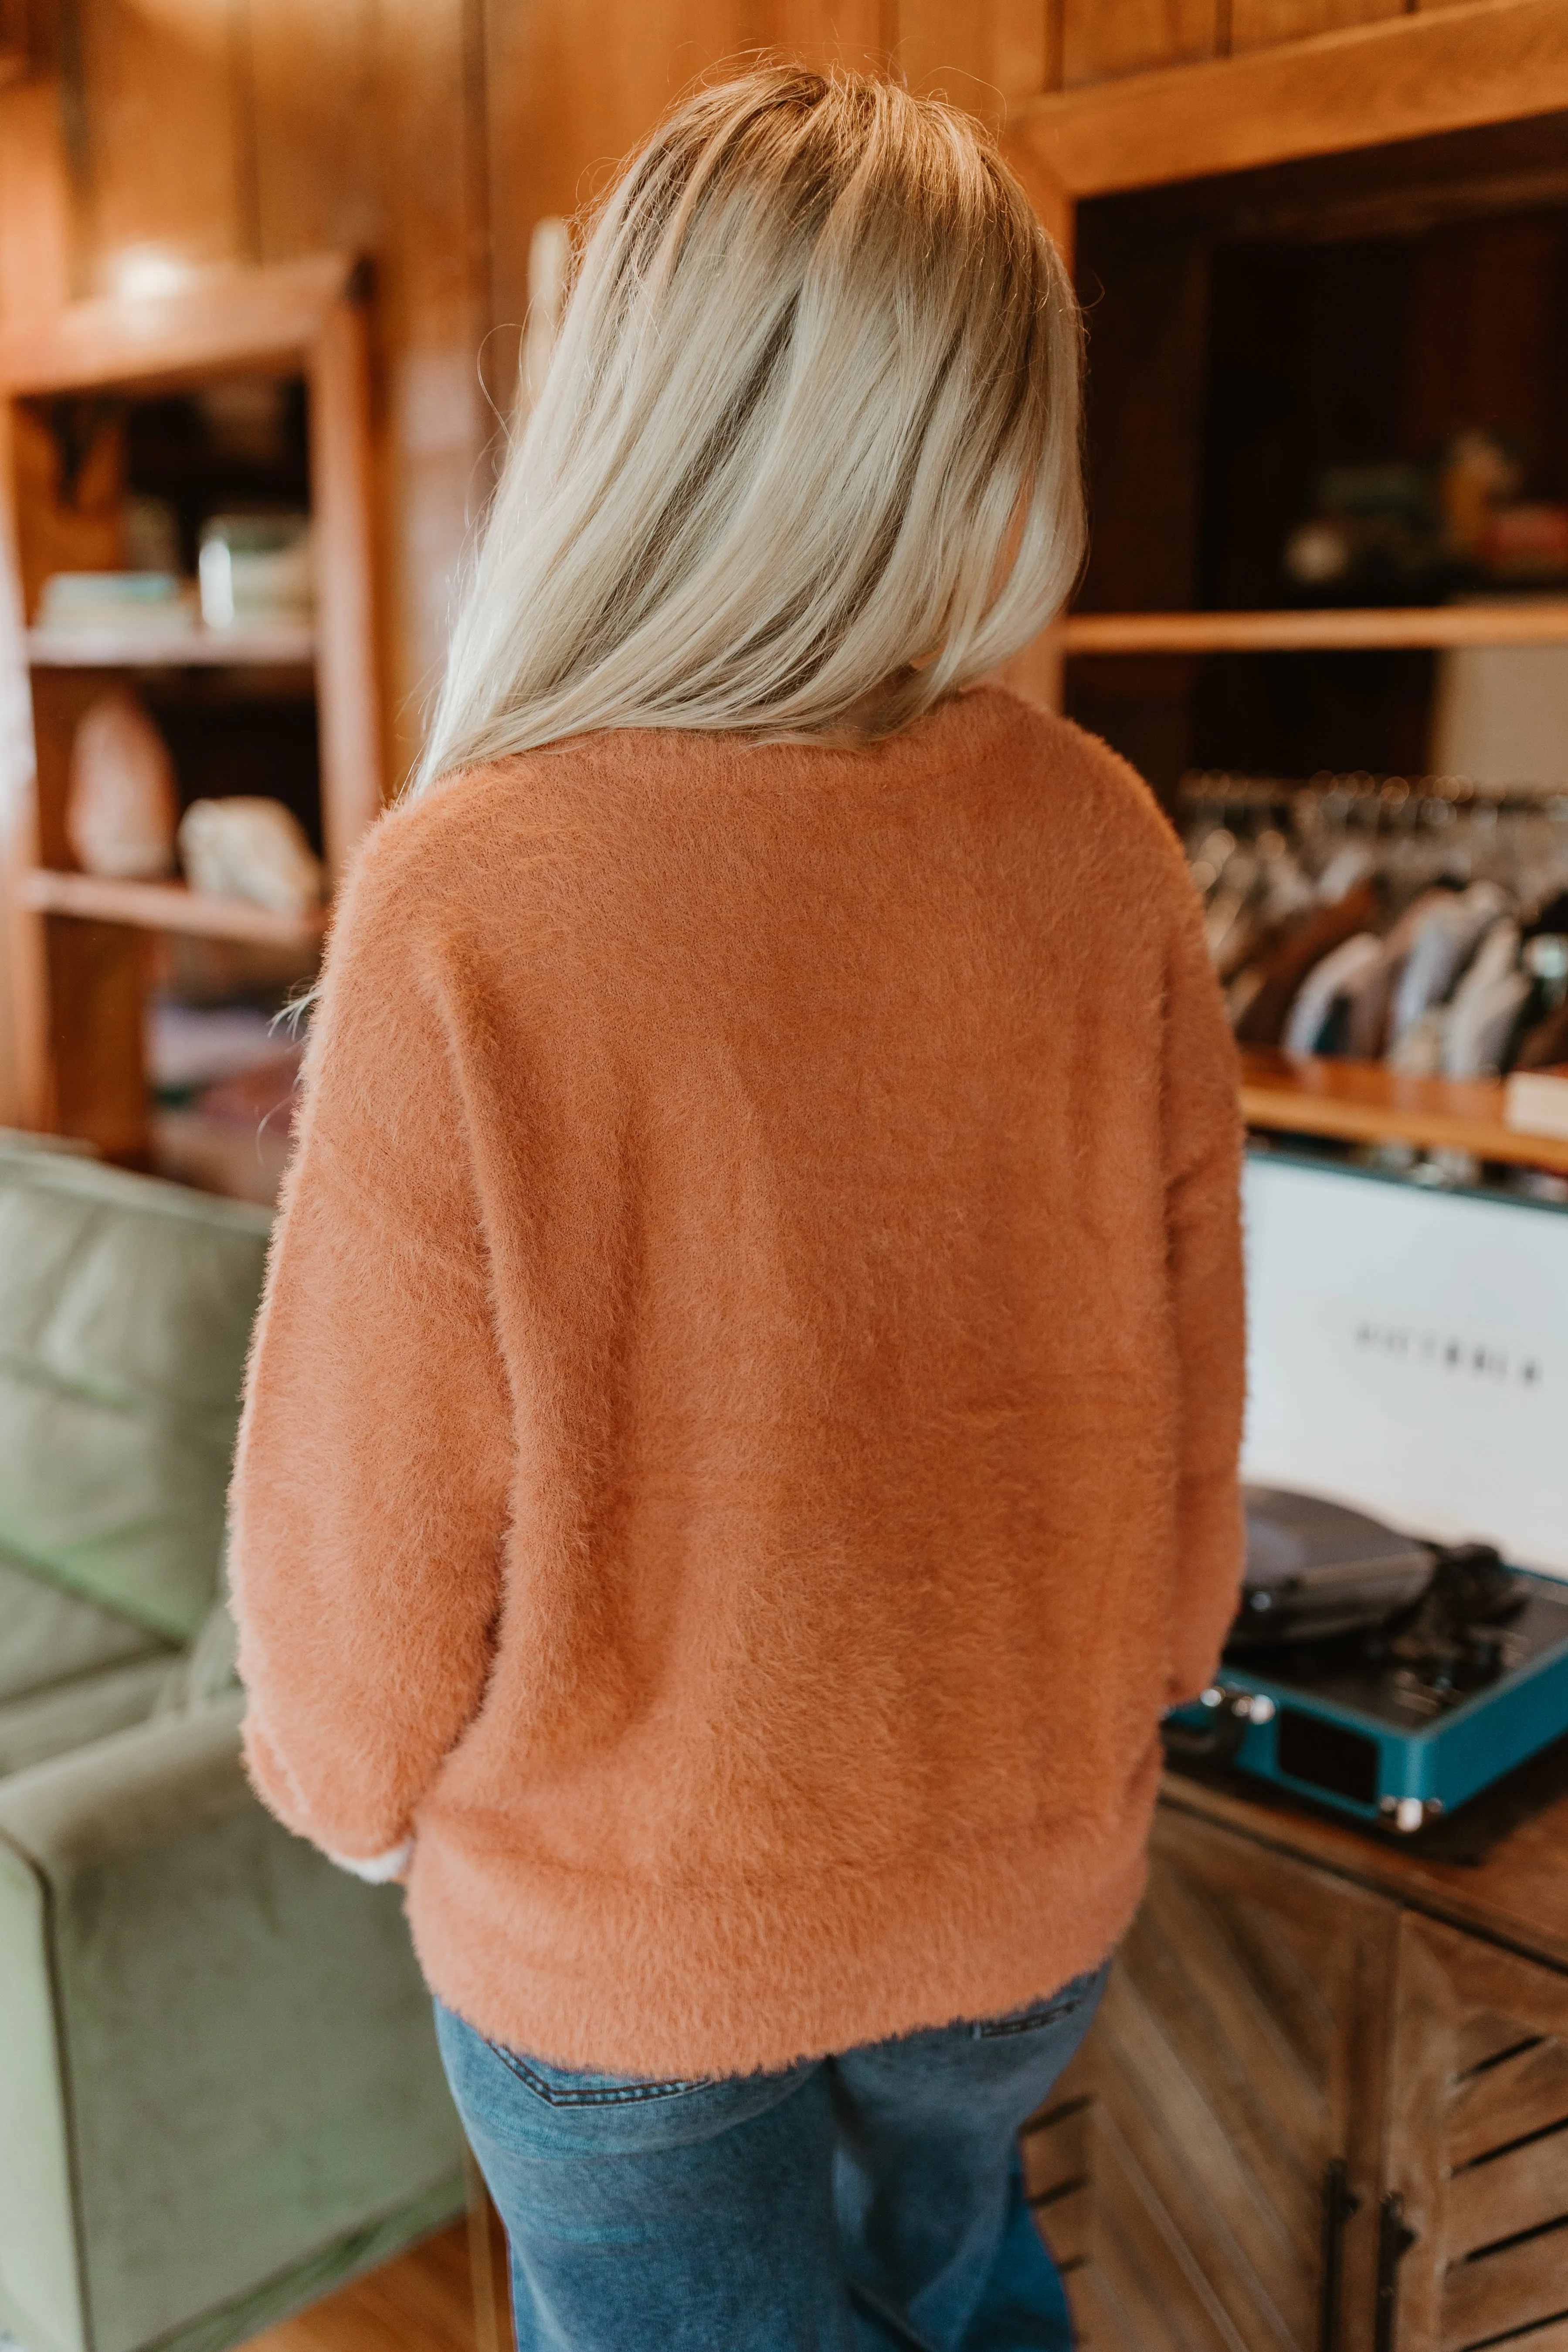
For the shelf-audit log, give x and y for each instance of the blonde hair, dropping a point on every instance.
(805, 458)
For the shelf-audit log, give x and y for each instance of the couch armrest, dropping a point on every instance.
(233, 2036)
(128, 1790)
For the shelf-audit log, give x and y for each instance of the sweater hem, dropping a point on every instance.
(738, 1980)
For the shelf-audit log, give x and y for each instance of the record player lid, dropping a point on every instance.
(1314, 1569)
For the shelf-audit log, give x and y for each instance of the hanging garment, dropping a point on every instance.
(1340, 975)
(1286, 966)
(1486, 1007)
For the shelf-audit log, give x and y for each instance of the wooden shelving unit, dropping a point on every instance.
(283, 708)
(1525, 621)
(236, 648)
(1364, 1102)
(163, 907)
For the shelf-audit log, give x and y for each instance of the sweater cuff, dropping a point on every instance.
(376, 1869)
(274, 1784)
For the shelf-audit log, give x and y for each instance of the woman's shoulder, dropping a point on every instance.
(442, 846)
(1079, 785)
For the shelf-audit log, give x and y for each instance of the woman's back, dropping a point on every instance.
(740, 1445)
(785, 1141)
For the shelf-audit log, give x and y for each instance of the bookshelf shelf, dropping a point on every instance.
(1527, 622)
(163, 907)
(132, 648)
(1364, 1102)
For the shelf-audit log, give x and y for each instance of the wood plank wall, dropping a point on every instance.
(433, 134)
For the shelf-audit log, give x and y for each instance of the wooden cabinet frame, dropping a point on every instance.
(1404, 77)
(1408, 77)
(305, 317)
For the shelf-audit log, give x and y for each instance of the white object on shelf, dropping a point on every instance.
(255, 568)
(155, 602)
(253, 849)
(121, 803)
(1536, 1102)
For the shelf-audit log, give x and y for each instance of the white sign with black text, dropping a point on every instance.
(1409, 1355)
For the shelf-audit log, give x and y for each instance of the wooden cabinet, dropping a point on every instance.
(1309, 2118)
(1478, 2143)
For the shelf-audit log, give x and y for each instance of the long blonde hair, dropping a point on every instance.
(806, 459)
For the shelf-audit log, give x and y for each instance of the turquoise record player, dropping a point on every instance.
(1389, 1680)
(1403, 1638)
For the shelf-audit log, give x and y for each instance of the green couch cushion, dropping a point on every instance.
(58, 1721)
(125, 1310)
(49, 1635)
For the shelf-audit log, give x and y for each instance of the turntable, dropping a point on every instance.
(1389, 1679)
(1408, 1370)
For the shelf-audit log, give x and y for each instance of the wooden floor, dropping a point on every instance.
(421, 2302)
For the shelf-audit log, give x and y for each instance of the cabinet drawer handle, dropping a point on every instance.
(1339, 2204)
(1394, 2239)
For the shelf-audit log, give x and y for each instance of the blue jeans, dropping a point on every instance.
(869, 2202)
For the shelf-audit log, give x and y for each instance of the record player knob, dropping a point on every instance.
(1482, 1658)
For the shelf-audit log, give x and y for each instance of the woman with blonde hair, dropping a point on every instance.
(739, 1446)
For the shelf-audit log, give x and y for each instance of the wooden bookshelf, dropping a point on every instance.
(1365, 1102)
(82, 950)
(1523, 622)
(164, 907)
(194, 648)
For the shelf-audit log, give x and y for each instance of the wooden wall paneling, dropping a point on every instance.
(16, 39)
(947, 52)
(1023, 48)
(347, 665)
(310, 94)
(1255, 24)
(170, 170)
(36, 227)
(431, 315)
(1481, 61)
(1478, 2142)
(821, 33)
(1100, 43)
(570, 90)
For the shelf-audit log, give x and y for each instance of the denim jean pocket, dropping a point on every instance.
(1041, 2015)
(559, 2086)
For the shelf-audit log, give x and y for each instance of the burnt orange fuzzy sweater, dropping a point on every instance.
(740, 1447)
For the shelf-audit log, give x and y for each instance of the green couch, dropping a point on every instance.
(219, 2091)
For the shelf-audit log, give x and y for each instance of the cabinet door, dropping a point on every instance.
(1478, 2146)
(1180, 2172)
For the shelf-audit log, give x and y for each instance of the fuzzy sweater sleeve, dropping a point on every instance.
(1203, 1175)
(370, 1499)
